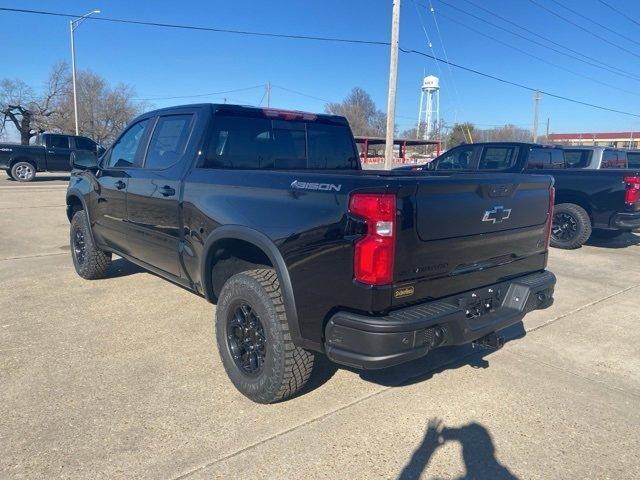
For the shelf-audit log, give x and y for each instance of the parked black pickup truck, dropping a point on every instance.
(605, 202)
(50, 152)
(268, 214)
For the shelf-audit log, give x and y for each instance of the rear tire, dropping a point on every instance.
(254, 340)
(571, 226)
(23, 171)
(608, 234)
(90, 262)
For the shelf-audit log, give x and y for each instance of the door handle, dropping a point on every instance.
(167, 191)
(119, 184)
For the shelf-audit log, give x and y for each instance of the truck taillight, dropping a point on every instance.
(632, 194)
(375, 251)
(552, 201)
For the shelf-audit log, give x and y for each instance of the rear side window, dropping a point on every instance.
(124, 152)
(58, 141)
(614, 159)
(498, 158)
(456, 159)
(578, 158)
(633, 159)
(168, 141)
(83, 143)
(545, 158)
(261, 143)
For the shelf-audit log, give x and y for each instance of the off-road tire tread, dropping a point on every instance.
(584, 225)
(298, 363)
(98, 262)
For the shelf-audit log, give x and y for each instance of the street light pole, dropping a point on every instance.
(73, 24)
(393, 80)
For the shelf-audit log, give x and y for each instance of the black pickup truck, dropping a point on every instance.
(603, 202)
(50, 152)
(268, 214)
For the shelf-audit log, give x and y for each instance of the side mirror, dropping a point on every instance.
(84, 160)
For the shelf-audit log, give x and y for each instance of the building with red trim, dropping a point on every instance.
(599, 139)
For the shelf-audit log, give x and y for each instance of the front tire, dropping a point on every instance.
(23, 172)
(254, 340)
(571, 226)
(89, 261)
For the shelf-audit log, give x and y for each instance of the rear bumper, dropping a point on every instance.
(369, 342)
(626, 221)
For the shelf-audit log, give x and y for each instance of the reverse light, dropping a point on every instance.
(632, 193)
(552, 201)
(375, 251)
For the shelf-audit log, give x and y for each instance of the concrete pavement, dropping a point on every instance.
(120, 378)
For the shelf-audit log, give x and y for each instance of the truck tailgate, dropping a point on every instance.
(475, 231)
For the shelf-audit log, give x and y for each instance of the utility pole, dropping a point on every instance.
(536, 105)
(268, 94)
(547, 137)
(393, 81)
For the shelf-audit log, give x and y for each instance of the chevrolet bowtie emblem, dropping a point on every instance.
(496, 215)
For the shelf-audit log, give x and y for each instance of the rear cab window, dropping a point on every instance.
(259, 143)
(83, 143)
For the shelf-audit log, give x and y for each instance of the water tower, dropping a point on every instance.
(430, 92)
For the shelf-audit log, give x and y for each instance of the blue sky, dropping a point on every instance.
(164, 62)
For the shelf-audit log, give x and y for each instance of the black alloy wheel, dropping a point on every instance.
(79, 246)
(565, 227)
(246, 339)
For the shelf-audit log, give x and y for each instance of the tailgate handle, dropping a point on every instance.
(503, 190)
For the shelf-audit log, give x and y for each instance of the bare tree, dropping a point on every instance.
(29, 112)
(506, 133)
(361, 111)
(103, 110)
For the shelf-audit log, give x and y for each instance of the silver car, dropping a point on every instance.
(594, 158)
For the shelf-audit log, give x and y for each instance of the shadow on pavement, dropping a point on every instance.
(421, 369)
(39, 179)
(123, 268)
(625, 240)
(478, 452)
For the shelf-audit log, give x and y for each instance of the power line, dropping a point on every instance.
(536, 34)
(524, 52)
(577, 25)
(211, 94)
(601, 25)
(631, 19)
(344, 40)
(593, 62)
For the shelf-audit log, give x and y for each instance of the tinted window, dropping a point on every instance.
(58, 141)
(168, 141)
(497, 158)
(260, 143)
(545, 158)
(633, 159)
(83, 143)
(613, 159)
(578, 158)
(456, 159)
(123, 152)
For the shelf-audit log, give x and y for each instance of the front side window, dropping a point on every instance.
(261, 143)
(58, 141)
(83, 143)
(123, 152)
(498, 158)
(168, 141)
(457, 159)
